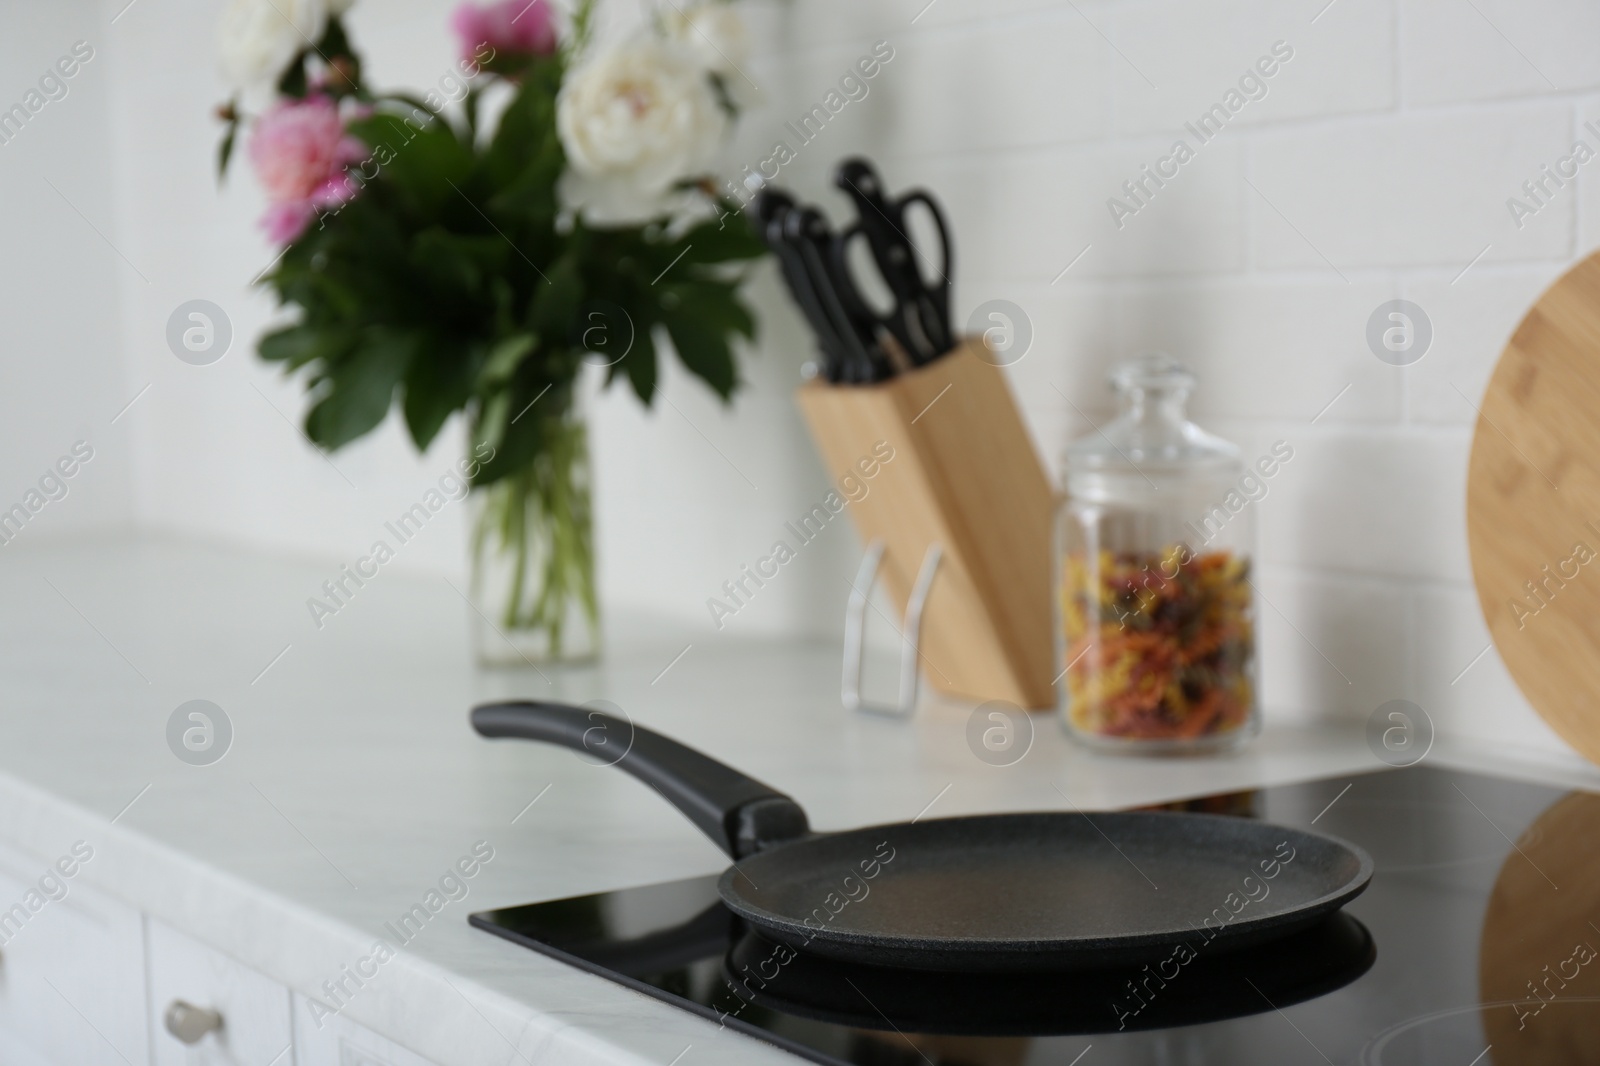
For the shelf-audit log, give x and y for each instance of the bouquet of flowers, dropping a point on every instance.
(439, 261)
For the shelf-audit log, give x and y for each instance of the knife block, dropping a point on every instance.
(964, 475)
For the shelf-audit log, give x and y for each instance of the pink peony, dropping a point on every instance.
(517, 27)
(300, 150)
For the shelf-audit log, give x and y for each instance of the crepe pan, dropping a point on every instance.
(1213, 986)
(994, 892)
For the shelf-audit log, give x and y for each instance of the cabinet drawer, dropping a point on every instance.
(337, 1042)
(252, 1026)
(71, 965)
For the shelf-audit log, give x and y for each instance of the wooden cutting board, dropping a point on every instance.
(1533, 506)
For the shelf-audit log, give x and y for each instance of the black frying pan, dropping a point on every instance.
(1334, 951)
(997, 892)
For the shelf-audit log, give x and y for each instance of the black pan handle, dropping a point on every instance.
(740, 814)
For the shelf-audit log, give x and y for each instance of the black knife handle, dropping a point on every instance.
(740, 814)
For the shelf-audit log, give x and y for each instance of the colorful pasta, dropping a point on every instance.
(1158, 646)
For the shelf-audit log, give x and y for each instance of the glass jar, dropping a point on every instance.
(1154, 546)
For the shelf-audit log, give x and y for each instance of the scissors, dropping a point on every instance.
(919, 319)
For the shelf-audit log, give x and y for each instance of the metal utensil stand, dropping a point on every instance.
(855, 633)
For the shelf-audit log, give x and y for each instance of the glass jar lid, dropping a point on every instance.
(1152, 428)
(1151, 441)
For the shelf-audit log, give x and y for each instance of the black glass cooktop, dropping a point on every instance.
(1475, 944)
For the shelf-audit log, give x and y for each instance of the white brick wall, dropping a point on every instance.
(1377, 166)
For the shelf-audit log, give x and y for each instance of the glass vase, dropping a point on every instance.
(533, 586)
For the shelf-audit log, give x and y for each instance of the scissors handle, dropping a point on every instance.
(920, 319)
(933, 305)
(941, 287)
(874, 322)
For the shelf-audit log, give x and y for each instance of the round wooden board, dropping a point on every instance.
(1533, 506)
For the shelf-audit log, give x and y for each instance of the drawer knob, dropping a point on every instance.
(189, 1023)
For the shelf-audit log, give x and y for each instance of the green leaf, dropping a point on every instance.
(531, 194)
(641, 366)
(298, 345)
(504, 357)
(469, 110)
(225, 149)
(459, 261)
(416, 103)
(335, 42)
(335, 45)
(528, 125)
(438, 383)
(719, 240)
(703, 348)
(637, 334)
(555, 304)
(490, 427)
(426, 166)
(714, 302)
(515, 423)
(360, 387)
(582, 22)
(293, 81)
(502, 310)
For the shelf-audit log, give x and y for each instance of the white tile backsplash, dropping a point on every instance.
(1472, 320)
(1194, 54)
(1451, 50)
(1074, 338)
(1410, 190)
(1332, 647)
(1048, 58)
(1467, 699)
(1375, 502)
(1378, 165)
(1587, 194)
(1025, 216)
(1292, 348)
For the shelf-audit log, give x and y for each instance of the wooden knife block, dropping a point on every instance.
(964, 475)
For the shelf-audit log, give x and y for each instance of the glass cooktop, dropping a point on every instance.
(1475, 944)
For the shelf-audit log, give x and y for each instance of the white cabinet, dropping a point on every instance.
(248, 1023)
(87, 981)
(337, 1042)
(71, 967)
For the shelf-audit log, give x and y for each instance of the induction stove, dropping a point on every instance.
(1475, 944)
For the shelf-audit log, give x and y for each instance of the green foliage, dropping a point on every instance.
(230, 115)
(334, 47)
(452, 281)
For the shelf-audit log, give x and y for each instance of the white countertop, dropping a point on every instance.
(353, 781)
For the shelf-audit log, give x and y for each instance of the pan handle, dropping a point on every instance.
(739, 814)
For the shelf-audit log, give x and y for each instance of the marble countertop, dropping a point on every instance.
(353, 782)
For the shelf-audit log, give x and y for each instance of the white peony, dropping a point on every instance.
(258, 38)
(634, 120)
(714, 33)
